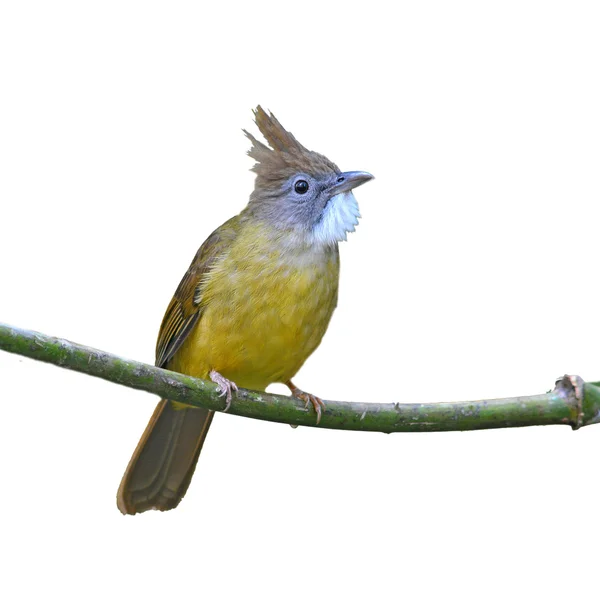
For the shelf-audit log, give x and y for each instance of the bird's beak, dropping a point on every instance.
(348, 181)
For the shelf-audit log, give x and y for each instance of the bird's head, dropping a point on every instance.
(300, 190)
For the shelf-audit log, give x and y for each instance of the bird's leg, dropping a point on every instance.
(225, 387)
(307, 398)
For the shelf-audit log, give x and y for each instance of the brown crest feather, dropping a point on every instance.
(277, 137)
(286, 155)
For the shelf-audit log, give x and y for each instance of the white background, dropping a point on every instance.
(473, 275)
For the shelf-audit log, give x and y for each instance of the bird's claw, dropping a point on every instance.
(225, 387)
(307, 398)
(317, 403)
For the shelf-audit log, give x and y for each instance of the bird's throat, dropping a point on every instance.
(340, 217)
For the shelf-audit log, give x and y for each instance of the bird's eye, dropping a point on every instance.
(301, 186)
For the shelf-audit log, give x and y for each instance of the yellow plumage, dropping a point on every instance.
(265, 306)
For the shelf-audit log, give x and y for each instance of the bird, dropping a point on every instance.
(253, 305)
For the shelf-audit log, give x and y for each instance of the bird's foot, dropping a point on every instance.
(307, 398)
(225, 387)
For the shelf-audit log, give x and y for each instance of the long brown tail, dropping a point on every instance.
(163, 463)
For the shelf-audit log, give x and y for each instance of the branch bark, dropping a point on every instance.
(571, 402)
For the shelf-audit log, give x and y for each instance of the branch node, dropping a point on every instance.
(570, 387)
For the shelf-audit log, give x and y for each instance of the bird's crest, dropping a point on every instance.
(286, 155)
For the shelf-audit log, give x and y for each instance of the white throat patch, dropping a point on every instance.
(340, 217)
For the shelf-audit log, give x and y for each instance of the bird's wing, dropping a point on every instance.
(185, 308)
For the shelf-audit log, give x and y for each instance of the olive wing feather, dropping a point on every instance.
(185, 308)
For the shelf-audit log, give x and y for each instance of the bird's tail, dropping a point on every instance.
(163, 463)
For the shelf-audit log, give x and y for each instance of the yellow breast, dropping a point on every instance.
(265, 308)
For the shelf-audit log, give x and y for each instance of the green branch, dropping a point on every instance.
(572, 402)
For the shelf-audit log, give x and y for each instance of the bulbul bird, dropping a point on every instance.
(252, 307)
